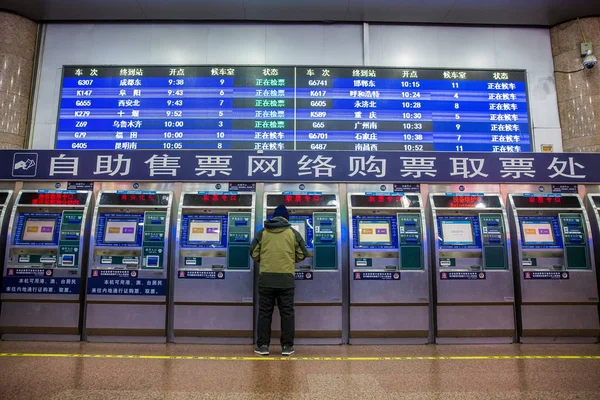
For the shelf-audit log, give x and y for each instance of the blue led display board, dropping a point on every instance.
(293, 108)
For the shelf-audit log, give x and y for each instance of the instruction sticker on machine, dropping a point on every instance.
(377, 276)
(106, 285)
(546, 275)
(462, 275)
(40, 281)
(201, 275)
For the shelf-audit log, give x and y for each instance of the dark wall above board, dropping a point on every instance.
(497, 12)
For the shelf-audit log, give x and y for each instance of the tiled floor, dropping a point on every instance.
(67, 378)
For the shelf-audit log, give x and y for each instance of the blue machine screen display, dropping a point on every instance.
(459, 232)
(37, 229)
(311, 108)
(121, 230)
(300, 227)
(204, 231)
(375, 232)
(304, 225)
(541, 232)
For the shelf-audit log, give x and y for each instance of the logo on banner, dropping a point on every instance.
(220, 275)
(11, 271)
(444, 275)
(357, 275)
(133, 274)
(48, 272)
(25, 165)
(308, 275)
(565, 275)
(95, 273)
(396, 276)
(181, 274)
(481, 275)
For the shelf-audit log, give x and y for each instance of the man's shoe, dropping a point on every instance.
(262, 350)
(287, 351)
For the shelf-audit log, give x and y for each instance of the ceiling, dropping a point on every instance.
(478, 12)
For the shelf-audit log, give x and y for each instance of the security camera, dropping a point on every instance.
(590, 60)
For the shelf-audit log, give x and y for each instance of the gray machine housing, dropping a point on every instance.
(396, 310)
(218, 309)
(320, 317)
(46, 316)
(120, 317)
(478, 306)
(563, 308)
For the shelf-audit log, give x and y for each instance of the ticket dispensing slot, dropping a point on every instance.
(557, 300)
(389, 295)
(315, 216)
(127, 274)
(213, 281)
(43, 265)
(474, 270)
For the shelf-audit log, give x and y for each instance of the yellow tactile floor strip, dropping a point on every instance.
(257, 358)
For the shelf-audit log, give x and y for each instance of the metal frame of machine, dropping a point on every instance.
(212, 299)
(320, 292)
(135, 309)
(557, 303)
(474, 300)
(389, 302)
(56, 265)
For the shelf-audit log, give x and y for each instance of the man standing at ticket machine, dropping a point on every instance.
(277, 248)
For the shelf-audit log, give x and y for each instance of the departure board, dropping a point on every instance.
(293, 108)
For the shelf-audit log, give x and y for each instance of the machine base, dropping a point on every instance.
(560, 340)
(375, 341)
(212, 340)
(40, 338)
(127, 339)
(316, 341)
(474, 340)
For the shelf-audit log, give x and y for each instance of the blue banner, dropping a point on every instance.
(39, 284)
(105, 285)
(332, 166)
(377, 276)
(462, 276)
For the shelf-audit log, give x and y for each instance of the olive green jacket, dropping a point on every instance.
(277, 248)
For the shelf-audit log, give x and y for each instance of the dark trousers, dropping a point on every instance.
(266, 304)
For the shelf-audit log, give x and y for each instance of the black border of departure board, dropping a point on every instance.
(224, 65)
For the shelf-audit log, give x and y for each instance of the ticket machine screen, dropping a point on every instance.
(204, 231)
(457, 233)
(538, 233)
(299, 226)
(39, 230)
(376, 232)
(121, 230)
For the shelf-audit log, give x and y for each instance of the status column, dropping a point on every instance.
(18, 38)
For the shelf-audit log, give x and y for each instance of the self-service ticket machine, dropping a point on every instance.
(315, 213)
(474, 287)
(558, 295)
(389, 283)
(44, 261)
(128, 259)
(213, 275)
